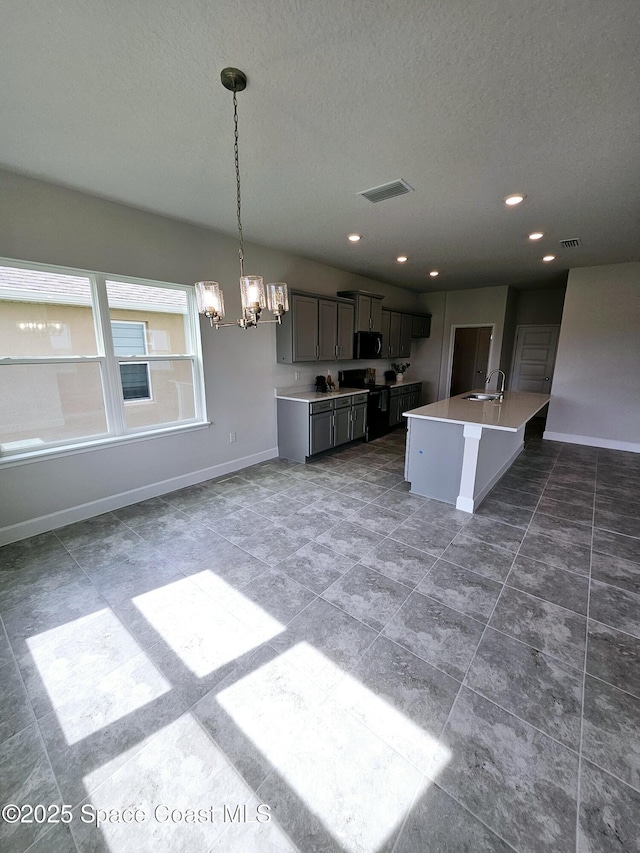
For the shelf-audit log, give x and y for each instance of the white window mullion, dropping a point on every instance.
(111, 375)
(197, 366)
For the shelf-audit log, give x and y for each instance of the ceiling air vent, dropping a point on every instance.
(387, 191)
(573, 243)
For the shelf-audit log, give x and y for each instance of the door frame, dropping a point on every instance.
(452, 340)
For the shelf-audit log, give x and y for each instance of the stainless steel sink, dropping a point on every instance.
(482, 397)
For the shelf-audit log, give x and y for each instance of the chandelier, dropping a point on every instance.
(253, 293)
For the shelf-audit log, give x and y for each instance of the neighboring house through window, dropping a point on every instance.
(130, 338)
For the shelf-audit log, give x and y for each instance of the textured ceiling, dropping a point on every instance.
(465, 100)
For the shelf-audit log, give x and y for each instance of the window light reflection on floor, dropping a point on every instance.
(205, 634)
(94, 673)
(345, 774)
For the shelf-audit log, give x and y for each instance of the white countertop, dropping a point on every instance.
(314, 396)
(516, 408)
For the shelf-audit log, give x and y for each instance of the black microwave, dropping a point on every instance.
(367, 345)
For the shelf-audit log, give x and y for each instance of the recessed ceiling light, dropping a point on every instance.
(402, 259)
(549, 258)
(516, 198)
(354, 237)
(434, 273)
(537, 235)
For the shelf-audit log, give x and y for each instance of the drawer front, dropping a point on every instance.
(359, 399)
(342, 402)
(395, 392)
(321, 406)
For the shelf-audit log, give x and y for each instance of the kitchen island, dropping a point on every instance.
(457, 449)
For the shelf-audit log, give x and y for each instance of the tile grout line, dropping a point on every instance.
(462, 683)
(584, 674)
(35, 722)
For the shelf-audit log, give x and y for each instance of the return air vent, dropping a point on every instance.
(385, 191)
(573, 243)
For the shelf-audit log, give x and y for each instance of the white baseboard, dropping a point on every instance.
(44, 523)
(592, 441)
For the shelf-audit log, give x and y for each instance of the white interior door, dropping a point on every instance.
(534, 358)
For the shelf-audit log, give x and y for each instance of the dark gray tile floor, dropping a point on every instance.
(383, 671)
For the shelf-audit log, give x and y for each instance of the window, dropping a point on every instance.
(86, 358)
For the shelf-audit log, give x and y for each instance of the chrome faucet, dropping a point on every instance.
(500, 390)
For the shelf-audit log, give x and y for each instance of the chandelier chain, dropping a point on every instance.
(238, 197)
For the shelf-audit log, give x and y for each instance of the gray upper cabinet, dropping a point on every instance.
(327, 329)
(304, 314)
(396, 334)
(368, 310)
(316, 328)
(406, 321)
(397, 330)
(421, 326)
(346, 314)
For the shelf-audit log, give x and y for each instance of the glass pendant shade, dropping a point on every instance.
(252, 293)
(210, 299)
(277, 298)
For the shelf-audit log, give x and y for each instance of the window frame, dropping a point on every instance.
(109, 362)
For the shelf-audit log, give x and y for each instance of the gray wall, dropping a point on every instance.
(46, 223)
(596, 384)
(482, 306)
(427, 352)
(540, 307)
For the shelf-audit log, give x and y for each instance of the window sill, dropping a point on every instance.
(97, 444)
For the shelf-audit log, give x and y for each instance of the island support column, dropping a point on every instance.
(472, 434)
(487, 455)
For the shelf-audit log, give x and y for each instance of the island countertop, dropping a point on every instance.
(510, 414)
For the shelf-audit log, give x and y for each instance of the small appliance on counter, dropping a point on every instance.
(321, 385)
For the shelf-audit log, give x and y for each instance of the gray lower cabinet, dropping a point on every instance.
(305, 429)
(320, 432)
(358, 421)
(342, 426)
(403, 398)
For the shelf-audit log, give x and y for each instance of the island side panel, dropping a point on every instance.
(434, 459)
(497, 452)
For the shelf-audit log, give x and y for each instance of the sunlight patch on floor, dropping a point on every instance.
(203, 633)
(341, 771)
(94, 673)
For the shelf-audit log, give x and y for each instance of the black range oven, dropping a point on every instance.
(377, 401)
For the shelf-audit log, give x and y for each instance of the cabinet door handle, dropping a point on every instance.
(317, 350)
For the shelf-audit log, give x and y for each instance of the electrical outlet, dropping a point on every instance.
(232, 437)
(296, 375)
